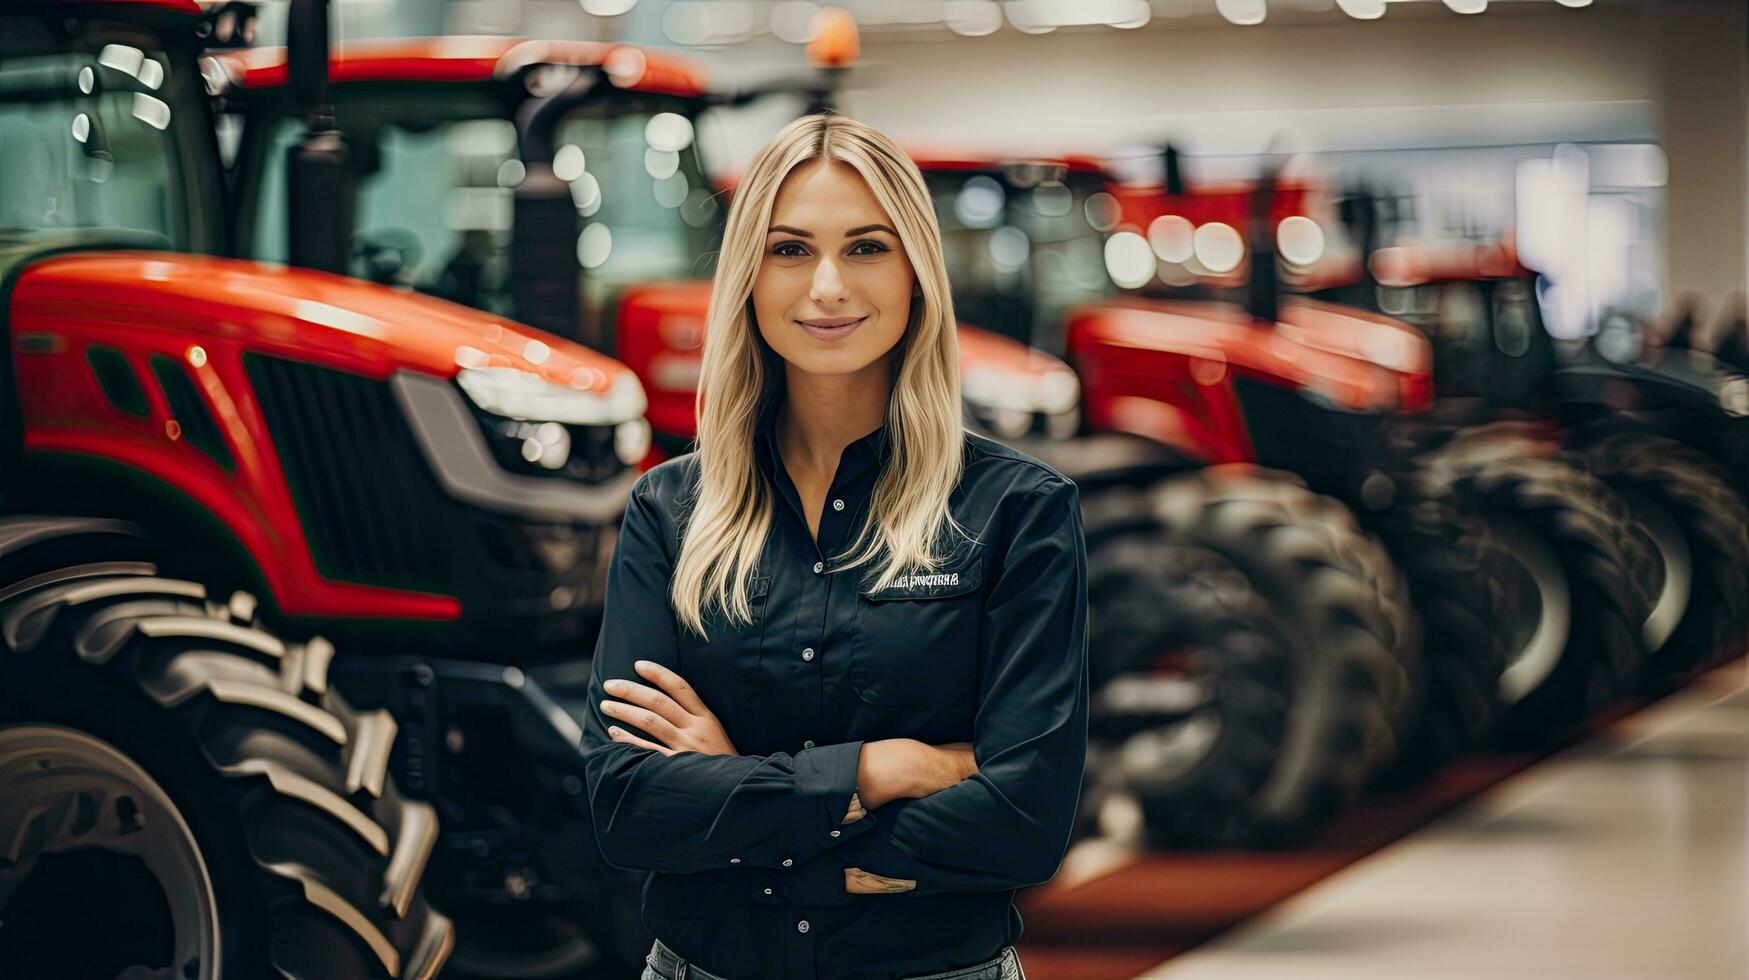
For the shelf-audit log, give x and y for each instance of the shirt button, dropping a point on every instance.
(818, 566)
(837, 505)
(788, 861)
(734, 860)
(802, 926)
(808, 654)
(808, 744)
(768, 891)
(834, 833)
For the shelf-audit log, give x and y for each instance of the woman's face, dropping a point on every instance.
(833, 291)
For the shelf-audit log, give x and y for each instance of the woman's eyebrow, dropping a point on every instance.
(852, 233)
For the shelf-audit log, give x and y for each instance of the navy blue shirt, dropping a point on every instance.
(748, 851)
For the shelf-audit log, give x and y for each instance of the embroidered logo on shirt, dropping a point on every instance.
(922, 581)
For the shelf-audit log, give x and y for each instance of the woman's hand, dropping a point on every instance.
(860, 882)
(901, 767)
(670, 712)
(893, 768)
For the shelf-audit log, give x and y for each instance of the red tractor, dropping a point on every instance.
(193, 447)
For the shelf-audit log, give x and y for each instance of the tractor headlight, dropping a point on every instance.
(537, 427)
(1014, 403)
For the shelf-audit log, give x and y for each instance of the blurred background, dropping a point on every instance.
(1398, 349)
(1607, 135)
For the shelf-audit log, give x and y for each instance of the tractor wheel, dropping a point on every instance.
(1345, 615)
(1190, 674)
(183, 795)
(1576, 573)
(1449, 561)
(1701, 528)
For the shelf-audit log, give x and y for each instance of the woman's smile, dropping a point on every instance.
(832, 327)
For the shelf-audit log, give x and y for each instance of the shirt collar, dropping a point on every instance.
(870, 451)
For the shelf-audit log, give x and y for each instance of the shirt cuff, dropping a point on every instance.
(825, 780)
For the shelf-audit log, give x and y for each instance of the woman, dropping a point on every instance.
(839, 704)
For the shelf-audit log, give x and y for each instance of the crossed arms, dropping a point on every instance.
(674, 796)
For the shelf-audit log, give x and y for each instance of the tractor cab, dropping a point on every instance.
(535, 179)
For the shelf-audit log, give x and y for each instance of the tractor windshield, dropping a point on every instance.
(436, 174)
(1019, 246)
(104, 136)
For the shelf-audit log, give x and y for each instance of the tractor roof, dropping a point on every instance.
(472, 59)
(943, 158)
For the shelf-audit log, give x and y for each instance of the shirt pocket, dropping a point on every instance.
(916, 640)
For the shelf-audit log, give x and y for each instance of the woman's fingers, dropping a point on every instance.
(674, 684)
(645, 696)
(621, 735)
(860, 882)
(651, 722)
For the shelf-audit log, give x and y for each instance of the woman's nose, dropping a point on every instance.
(828, 287)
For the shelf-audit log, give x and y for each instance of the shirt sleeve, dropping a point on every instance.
(1008, 825)
(691, 811)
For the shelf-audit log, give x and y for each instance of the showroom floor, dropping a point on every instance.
(1624, 858)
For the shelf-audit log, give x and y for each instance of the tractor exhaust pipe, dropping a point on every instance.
(1172, 171)
(1263, 300)
(318, 168)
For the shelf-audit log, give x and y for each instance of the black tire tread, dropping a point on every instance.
(1349, 620)
(276, 762)
(1496, 475)
(1150, 597)
(1715, 522)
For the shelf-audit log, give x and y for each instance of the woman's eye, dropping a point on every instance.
(789, 249)
(874, 248)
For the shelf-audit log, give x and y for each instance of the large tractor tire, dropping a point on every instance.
(1701, 528)
(1344, 613)
(1190, 674)
(1577, 577)
(182, 795)
(1450, 562)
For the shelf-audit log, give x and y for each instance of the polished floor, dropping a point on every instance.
(1624, 858)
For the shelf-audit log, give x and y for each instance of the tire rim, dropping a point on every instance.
(67, 792)
(1170, 713)
(1531, 664)
(1678, 585)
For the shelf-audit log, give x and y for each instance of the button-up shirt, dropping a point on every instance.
(747, 852)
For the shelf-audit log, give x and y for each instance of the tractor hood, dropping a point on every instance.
(314, 317)
(1356, 360)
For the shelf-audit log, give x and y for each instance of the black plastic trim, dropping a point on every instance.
(117, 379)
(451, 441)
(190, 411)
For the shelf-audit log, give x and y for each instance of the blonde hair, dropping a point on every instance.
(907, 519)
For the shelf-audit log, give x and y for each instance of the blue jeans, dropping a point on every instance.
(664, 964)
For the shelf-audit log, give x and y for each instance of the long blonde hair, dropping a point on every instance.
(907, 519)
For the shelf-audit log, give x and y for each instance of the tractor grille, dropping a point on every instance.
(370, 508)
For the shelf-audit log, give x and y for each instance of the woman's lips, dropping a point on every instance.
(832, 328)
